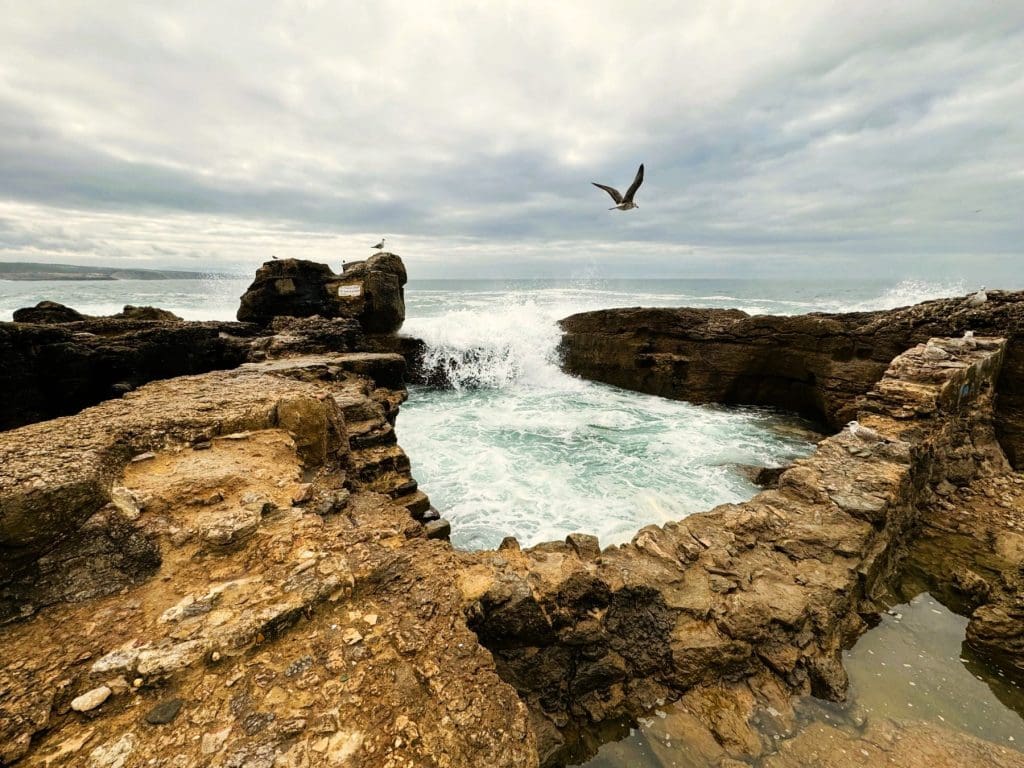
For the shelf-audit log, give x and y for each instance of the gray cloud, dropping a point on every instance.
(781, 137)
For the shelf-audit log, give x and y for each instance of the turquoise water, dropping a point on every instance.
(518, 447)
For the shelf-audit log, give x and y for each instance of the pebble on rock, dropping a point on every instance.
(164, 712)
(91, 699)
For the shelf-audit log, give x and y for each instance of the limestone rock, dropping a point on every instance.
(91, 699)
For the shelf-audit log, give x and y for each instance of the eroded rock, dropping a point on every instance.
(371, 292)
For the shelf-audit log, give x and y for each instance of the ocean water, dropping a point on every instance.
(518, 448)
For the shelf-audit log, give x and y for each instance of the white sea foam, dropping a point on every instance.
(520, 448)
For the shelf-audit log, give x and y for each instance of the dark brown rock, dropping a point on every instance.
(151, 314)
(47, 313)
(54, 370)
(371, 292)
(817, 364)
(164, 712)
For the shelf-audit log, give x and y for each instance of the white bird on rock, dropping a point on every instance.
(624, 202)
(978, 298)
(867, 434)
(380, 246)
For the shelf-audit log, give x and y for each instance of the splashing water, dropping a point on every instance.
(517, 447)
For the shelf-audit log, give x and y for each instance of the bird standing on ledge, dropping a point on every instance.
(380, 246)
(978, 298)
(624, 202)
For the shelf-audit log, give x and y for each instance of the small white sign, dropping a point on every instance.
(350, 290)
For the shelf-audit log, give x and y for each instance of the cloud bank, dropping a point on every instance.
(779, 138)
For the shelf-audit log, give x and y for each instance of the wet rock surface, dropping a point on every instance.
(816, 364)
(970, 551)
(888, 743)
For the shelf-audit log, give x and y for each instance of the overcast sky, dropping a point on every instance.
(780, 138)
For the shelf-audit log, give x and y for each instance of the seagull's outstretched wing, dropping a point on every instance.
(635, 185)
(611, 191)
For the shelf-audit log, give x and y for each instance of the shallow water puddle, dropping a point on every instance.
(911, 668)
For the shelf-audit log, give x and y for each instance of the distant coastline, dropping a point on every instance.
(25, 270)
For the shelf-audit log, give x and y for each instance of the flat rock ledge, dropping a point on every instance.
(241, 558)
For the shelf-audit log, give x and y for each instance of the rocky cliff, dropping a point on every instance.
(816, 364)
(237, 569)
(370, 291)
(54, 361)
(737, 607)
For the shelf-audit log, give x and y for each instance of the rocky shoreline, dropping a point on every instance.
(235, 567)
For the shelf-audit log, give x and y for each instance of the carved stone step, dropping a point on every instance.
(366, 434)
(370, 463)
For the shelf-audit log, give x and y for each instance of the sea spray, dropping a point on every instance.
(512, 343)
(514, 446)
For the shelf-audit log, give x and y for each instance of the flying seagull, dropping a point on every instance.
(624, 202)
(380, 245)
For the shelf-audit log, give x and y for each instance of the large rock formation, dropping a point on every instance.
(235, 569)
(54, 370)
(243, 553)
(816, 364)
(768, 592)
(47, 313)
(371, 292)
(55, 361)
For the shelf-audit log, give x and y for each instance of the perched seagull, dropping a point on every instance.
(624, 202)
(978, 298)
(379, 246)
(273, 257)
(867, 434)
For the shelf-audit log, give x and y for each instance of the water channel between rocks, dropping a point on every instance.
(518, 448)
